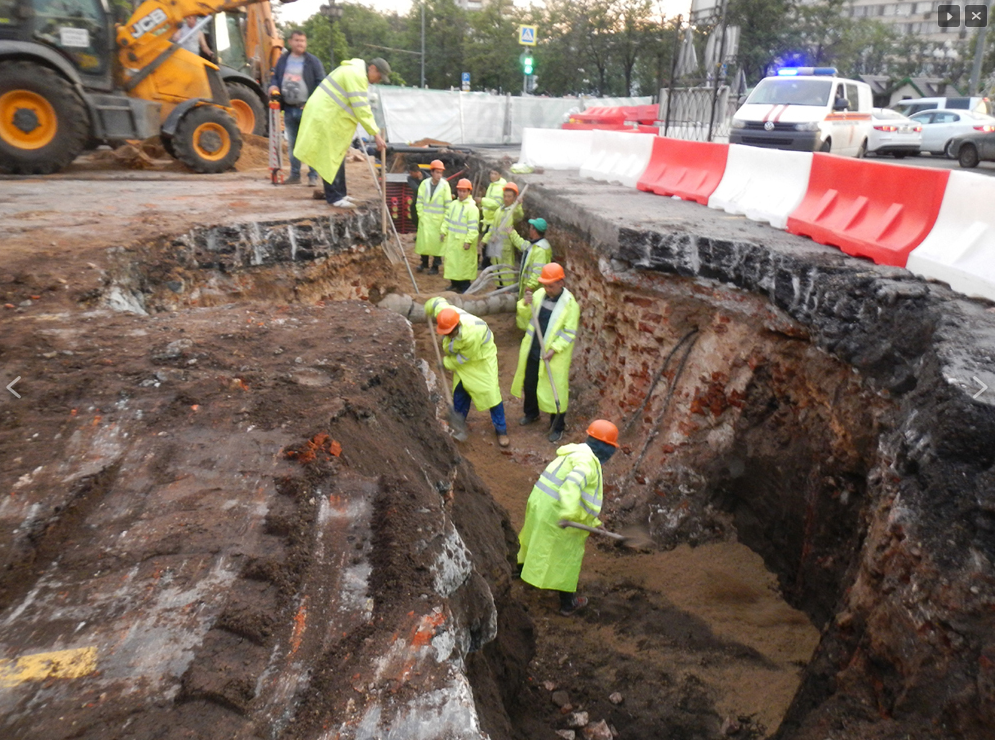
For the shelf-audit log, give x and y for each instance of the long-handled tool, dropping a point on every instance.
(400, 255)
(636, 538)
(275, 141)
(457, 424)
(542, 353)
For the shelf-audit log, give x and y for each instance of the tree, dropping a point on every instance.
(765, 33)
(634, 29)
(491, 49)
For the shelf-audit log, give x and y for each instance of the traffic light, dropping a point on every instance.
(528, 63)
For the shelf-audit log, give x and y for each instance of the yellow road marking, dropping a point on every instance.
(59, 664)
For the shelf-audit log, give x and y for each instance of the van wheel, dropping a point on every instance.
(827, 146)
(862, 150)
(967, 157)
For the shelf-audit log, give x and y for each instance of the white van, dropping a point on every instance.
(807, 110)
(911, 106)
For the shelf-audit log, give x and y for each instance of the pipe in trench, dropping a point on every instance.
(415, 312)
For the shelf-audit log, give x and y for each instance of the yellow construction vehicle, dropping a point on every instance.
(71, 79)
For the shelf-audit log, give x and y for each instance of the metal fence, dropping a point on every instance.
(692, 111)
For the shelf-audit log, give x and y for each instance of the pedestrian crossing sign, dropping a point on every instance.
(527, 35)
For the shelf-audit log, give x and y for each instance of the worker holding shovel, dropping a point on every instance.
(552, 316)
(569, 492)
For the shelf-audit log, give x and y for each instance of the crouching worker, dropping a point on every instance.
(470, 353)
(571, 488)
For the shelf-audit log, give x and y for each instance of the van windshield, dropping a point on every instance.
(788, 91)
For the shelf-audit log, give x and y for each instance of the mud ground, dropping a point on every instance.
(698, 642)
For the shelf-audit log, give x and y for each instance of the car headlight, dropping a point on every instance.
(736, 123)
(812, 126)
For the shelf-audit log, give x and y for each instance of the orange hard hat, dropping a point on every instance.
(511, 186)
(551, 272)
(464, 184)
(446, 321)
(437, 165)
(605, 431)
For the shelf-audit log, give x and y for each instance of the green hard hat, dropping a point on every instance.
(539, 223)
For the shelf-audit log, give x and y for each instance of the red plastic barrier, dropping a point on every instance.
(869, 209)
(598, 126)
(617, 115)
(688, 169)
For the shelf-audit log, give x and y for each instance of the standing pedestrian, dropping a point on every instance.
(295, 77)
(536, 252)
(459, 237)
(558, 316)
(570, 488)
(492, 199)
(470, 353)
(329, 123)
(434, 197)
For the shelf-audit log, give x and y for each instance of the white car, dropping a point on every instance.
(894, 134)
(940, 126)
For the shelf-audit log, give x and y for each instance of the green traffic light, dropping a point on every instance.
(527, 64)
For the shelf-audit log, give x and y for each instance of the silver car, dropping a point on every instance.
(940, 126)
(894, 134)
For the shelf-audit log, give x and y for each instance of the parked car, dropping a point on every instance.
(894, 134)
(916, 105)
(969, 149)
(940, 126)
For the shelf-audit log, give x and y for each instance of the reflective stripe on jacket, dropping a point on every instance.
(328, 123)
(470, 353)
(536, 256)
(570, 487)
(431, 214)
(492, 200)
(560, 336)
(462, 225)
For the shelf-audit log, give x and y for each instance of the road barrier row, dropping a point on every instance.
(938, 224)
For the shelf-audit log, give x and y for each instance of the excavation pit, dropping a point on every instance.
(778, 469)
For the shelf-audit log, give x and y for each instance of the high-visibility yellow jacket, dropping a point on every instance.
(434, 305)
(470, 353)
(330, 117)
(461, 226)
(571, 488)
(560, 336)
(492, 200)
(536, 255)
(502, 223)
(431, 211)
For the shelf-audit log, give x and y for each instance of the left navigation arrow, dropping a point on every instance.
(10, 386)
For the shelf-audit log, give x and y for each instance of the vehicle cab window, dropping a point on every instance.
(924, 118)
(75, 27)
(945, 117)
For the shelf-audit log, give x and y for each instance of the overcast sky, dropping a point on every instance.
(304, 9)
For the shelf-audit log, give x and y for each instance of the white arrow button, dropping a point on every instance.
(10, 386)
(983, 386)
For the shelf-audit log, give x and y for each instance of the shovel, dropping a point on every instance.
(637, 538)
(457, 424)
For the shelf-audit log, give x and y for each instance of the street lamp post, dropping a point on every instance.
(333, 13)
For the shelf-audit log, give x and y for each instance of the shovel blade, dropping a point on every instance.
(457, 426)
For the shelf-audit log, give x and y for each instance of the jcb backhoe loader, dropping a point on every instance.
(70, 79)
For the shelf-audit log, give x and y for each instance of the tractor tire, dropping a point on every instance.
(167, 143)
(250, 112)
(207, 140)
(44, 123)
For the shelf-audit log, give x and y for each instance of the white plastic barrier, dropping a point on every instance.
(618, 156)
(762, 184)
(960, 249)
(555, 149)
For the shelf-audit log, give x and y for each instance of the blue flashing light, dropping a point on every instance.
(817, 71)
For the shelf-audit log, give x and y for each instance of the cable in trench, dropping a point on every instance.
(693, 337)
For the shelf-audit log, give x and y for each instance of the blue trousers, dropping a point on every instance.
(292, 121)
(461, 402)
(335, 190)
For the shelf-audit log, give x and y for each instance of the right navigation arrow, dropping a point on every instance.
(983, 386)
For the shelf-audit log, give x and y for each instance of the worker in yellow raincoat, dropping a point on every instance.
(536, 252)
(459, 239)
(570, 488)
(470, 353)
(496, 241)
(491, 200)
(558, 315)
(329, 123)
(434, 197)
